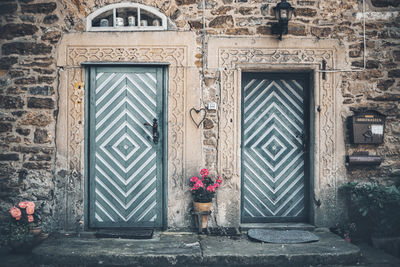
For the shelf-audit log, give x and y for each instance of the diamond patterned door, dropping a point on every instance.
(274, 184)
(125, 161)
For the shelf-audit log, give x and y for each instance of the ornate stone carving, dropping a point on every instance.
(175, 56)
(229, 59)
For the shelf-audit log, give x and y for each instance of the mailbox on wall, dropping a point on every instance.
(367, 127)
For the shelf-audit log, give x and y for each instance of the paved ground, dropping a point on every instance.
(189, 249)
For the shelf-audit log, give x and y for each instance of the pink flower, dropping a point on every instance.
(219, 180)
(211, 188)
(204, 173)
(194, 179)
(30, 218)
(30, 208)
(23, 204)
(216, 185)
(15, 213)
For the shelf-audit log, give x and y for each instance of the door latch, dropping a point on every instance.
(155, 130)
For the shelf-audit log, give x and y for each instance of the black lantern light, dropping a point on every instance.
(283, 13)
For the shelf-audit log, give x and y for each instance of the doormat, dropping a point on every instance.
(126, 234)
(282, 236)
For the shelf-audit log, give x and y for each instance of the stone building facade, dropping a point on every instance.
(206, 49)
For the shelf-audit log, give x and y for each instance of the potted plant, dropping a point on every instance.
(376, 209)
(24, 230)
(203, 190)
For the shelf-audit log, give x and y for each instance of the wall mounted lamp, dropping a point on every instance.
(283, 13)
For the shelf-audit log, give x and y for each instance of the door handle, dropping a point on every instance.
(155, 130)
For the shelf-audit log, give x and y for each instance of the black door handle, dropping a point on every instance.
(155, 130)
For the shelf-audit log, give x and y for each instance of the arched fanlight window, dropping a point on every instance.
(126, 17)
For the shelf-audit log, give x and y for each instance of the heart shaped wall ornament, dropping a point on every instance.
(198, 115)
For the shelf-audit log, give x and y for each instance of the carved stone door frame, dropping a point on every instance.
(171, 48)
(267, 54)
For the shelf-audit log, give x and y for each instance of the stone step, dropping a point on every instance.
(189, 249)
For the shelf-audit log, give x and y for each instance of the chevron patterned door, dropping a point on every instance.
(125, 159)
(274, 142)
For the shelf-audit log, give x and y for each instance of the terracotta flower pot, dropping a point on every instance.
(202, 207)
(35, 231)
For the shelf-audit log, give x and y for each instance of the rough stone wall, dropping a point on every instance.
(30, 31)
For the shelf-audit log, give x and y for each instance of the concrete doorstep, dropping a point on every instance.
(190, 249)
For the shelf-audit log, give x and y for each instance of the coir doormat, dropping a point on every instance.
(282, 236)
(126, 234)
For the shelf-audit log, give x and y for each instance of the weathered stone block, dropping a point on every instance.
(18, 113)
(354, 53)
(46, 79)
(41, 136)
(9, 157)
(5, 127)
(185, 2)
(50, 19)
(321, 32)
(16, 73)
(52, 36)
(306, 12)
(25, 48)
(43, 71)
(12, 30)
(37, 165)
(45, 103)
(394, 73)
(385, 97)
(221, 22)
(237, 31)
(7, 62)
(22, 131)
(8, 8)
(396, 55)
(195, 24)
(16, 90)
(26, 149)
(246, 10)
(10, 139)
(208, 124)
(35, 119)
(221, 10)
(27, 18)
(40, 158)
(41, 90)
(385, 84)
(27, 80)
(372, 64)
(44, 8)
(9, 102)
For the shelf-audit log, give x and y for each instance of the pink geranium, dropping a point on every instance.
(194, 179)
(30, 218)
(210, 188)
(204, 173)
(16, 213)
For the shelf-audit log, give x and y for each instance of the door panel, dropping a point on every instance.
(125, 162)
(273, 147)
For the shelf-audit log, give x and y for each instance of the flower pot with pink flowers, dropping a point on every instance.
(203, 191)
(25, 229)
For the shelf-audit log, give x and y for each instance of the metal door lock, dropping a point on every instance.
(155, 130)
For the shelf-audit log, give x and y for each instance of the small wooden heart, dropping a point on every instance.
(198, 115)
